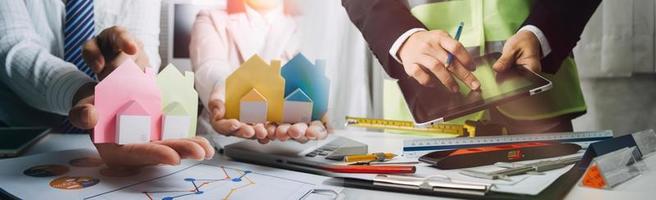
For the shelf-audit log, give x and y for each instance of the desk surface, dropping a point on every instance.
(640, 187)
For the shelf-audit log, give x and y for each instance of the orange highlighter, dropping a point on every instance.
(369, 157)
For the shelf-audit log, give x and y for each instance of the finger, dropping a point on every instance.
(114, 40)
(297, 130)
(226, 126)
(465, 75)
(245, 131)
(326, 125)
(217, 109)
(505, 61)
(185, 148)
(437, 68)
(209, 150)
(533, 64)
(457, 50)
(415, 71)
(92, 56)
(271, 131)
(83, 116)
(281, 132)
(137, 154)
(316, 131)
(260, 131)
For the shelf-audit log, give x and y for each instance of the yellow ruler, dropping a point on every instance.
(455, 129)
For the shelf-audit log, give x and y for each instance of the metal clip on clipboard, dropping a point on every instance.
(433, 183)
(518, 169)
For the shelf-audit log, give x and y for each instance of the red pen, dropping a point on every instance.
(394, 169)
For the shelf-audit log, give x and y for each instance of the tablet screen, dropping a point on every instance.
(430, 103)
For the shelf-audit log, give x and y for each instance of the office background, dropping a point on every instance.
(615, 58)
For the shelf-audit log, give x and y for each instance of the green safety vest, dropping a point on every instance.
(487, 25)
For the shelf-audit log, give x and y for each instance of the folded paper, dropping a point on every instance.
(256, 74)
(136, 106)
(127, 84)
(297, 92)
(300, 73)
(179, 102)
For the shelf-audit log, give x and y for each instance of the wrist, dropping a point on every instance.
(539, 38)
(395, 49)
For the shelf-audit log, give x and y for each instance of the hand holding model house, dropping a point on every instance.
(131, 105)
(267, 102)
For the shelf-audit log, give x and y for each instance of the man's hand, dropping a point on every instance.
(522, 49)
(426, 52)
(110, 49)
(103, 54)
(263, 133)
(168, 152)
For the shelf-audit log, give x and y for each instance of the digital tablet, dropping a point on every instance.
(13, 141)
(434, 104)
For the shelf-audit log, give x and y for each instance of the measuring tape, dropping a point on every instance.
(454, 129)
(414, 148)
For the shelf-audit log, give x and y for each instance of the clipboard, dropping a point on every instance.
(558, 189)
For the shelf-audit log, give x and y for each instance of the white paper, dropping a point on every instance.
(131, 129)
(253, 111)
(520, 184)
(259, 183)
(174, 126)
(297, 111)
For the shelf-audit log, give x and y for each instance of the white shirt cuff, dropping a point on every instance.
(399, 41)
(64, 86)
(544, 43)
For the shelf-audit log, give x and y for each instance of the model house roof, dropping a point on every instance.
(175, 108)
(298, 95)
(132, 108)
(253, 95)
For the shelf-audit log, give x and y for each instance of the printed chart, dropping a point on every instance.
(202, 181)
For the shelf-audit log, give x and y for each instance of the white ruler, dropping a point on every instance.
(414, 148)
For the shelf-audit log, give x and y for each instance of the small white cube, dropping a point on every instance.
(297, 111)
(131, 129)
(253, 111)
(175, 126)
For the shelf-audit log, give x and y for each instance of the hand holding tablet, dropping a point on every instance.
(434, 104)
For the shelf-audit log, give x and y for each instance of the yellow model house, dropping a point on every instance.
(256, 74)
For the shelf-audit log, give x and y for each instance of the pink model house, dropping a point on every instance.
(128, 103)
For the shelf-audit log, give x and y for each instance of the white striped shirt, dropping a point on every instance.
(32, 69)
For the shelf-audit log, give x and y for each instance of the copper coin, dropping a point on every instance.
(73, 182)
(46, 170)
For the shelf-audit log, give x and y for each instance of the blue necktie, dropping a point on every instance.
(78, 28)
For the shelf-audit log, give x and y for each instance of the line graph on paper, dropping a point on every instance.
(202, 181)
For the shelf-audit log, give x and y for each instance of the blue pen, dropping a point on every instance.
(458, 32)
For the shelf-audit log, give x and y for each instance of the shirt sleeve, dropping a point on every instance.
(396, 46)
(27, 67)
(141, 19)
(208, 51)
(544, 43)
